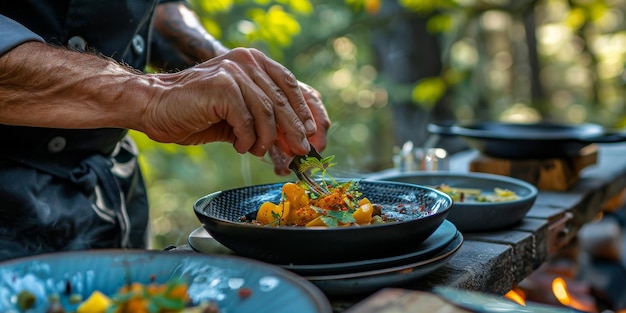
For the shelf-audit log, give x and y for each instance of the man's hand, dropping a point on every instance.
(313, 99)
(241, 97)
(180, 27)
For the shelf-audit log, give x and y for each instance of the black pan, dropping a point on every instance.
(537, 140)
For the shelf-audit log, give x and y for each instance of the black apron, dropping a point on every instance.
(66, 189)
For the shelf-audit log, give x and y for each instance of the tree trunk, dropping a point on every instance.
(406, 52)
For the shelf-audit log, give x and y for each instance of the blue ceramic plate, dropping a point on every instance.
(217, 278)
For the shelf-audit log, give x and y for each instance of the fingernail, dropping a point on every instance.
(310, 127)
(306, 144)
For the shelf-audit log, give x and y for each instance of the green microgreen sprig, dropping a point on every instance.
(336, 217)
(319, 168)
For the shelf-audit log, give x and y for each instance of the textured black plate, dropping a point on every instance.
(201, 241)
(367, 282)
(476, 216)
(217, 278)
(433, 244)
(426, 208)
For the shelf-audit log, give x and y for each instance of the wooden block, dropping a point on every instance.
(480, 266)
(523, 246)
(540, 232)
(547, 174)
(560, 230)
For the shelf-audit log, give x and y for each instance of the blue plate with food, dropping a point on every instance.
(482, 202)
(152, 281)
(284, 223)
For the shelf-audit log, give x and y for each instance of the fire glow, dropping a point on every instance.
(562, 294)
(516, 295)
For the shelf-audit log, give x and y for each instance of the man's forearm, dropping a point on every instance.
(180, 26)
(46, 86)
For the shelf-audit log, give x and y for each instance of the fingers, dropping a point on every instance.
(291, 111)
(322, 120)
(257, 131)
(244, 98)
(246, 101)
(288, 83)
(281, 161)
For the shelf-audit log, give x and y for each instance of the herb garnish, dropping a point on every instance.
(318, 168)
(336, 215)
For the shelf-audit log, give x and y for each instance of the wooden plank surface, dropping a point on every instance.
(523, 248)
(477, 265)
(494, 262)
(551, 223)
(540, 232)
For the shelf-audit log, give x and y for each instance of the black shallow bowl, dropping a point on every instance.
(209, 277)
(220, 214)
(476, 216)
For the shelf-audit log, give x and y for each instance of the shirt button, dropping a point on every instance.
(56, 144)
(77, 43)
(139, 45)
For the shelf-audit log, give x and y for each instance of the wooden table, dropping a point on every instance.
(493, 262)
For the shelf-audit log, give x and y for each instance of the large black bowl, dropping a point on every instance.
(215, 278)
(476, 216)
(220, 214)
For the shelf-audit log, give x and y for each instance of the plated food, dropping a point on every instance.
(502, 201)
(323, 203)
(415, 213)
(169, 280)
(463, 194)
(343, 206)
(171, 297)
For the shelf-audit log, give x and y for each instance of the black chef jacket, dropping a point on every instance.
(63, 189)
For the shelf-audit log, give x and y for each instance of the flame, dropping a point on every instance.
(562, 294)
(516, 295)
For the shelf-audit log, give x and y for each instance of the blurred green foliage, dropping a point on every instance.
(580, 44)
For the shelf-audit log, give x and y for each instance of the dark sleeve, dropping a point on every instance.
(13, 34)
(164, 56)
